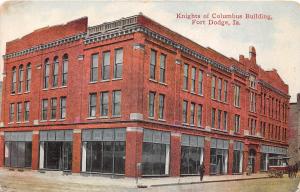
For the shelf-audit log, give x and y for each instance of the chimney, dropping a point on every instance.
(252, 54)
(241, 58)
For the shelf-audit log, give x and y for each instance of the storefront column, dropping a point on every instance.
(35, 150)
(245, 156)
(230, 157)
(175, 154)
(76, 153)
(207, 155)
(2, 152)
(257, 162)
(134, 147)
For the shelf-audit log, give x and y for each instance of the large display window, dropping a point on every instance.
(218, 156)
(237, 157)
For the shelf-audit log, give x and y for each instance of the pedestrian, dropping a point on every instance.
(202, 171)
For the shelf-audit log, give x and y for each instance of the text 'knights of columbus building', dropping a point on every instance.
(132, 97)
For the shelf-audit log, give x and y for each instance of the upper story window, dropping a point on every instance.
(213, 87)
(116, 101)
(219, 89)
(92, 105)
(46, 74)
(200, 83)
(104, 104)
(94, 68)
(161, 106)
(162, 71)
(237, 123)
(192, 114)
(225, 90)
(237, 95)
(44, 109)
(21, 78)
(118, 63)
(26, 110)
(219, 118)
(193, 80)
(55, 72)
(53, 104)
(225, 120)
(152, 64)
(65, 70)
(213, 117)
(105, 65)
(184, 111)
(14, 80)
(199, 116)
(252, 102)
(252, 126)
(185, 76)
(19, 112)
(11, 112)
(28, 77)
(63, 107)
(252, 81)
(151, 104)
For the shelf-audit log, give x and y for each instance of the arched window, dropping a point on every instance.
(21, 78)
(13, 80)
(28, 77)
(46, 74)
(65, 70)
(55, 72)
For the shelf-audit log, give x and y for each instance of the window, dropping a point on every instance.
(185, 76)
(65, 70)
(236, 123)
(219, 89)
(55, 72)
(219, 118)
(225, 90)
(21, 78)
(237, 157)
(184, 111)
(252, 81)
(53, 108)
(46, 74)
(252, 126)
(151, 104)
(225, 117)
(252, 102)
(193, 80)
(199, 116)
(200, 83)
(26, 110)
(105, 65)
(28, 78)
(92, 105)
(116, 103)
(94, 68)
(162, 73)
(236, 96)
(104, 104)
(161, 106)
(213, 115)
(192, 115)
(152, 64)
(19, 112)
(213, 87)
(13, 80)
(63, 107)
(118, 63)
(44, 109)
(11, 112)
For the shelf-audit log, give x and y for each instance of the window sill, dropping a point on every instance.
(93, 82)
(26, 122)
(18, 122)
(103, 117)
(54, 88)
(153, 80)
(192, 125)
(185, 90)
(239, 107)
(116, 116)
(151, 118)
(26, 92)
(45, 89)
(104, 80)
(10, 123)
(185, 124)
(63, 86)
(12, 94)
(19, 93)
(61, 119)
(43, 121)
(163, 120)
(91, 118)
(117, 79)
(52, 120)
(162, 83)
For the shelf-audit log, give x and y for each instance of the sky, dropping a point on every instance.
(276, 41)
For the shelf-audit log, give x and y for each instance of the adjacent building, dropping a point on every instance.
(294, 131)
(132, 97)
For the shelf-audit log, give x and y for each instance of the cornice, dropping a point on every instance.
(269, 86)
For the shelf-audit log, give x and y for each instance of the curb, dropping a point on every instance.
(215, 181)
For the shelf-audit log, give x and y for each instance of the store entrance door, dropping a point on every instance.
(251, 160)
(58, 155)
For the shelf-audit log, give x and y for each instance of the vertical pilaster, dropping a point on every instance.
(2, 152)
(207, 155)
(35, 150)
(134, 147)
(76, 153)
(230, 157)
(257, 162)
(175, 154)
(245, 158)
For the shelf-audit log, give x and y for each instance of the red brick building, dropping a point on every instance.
(112, 97)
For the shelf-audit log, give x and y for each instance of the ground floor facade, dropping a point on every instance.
(136, 151)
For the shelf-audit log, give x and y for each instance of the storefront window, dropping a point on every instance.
(156, 148)
(218, 156)
(237, 157)
(271, 156)
(191, 154)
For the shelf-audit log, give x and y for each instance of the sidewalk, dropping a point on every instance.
(56, 177)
